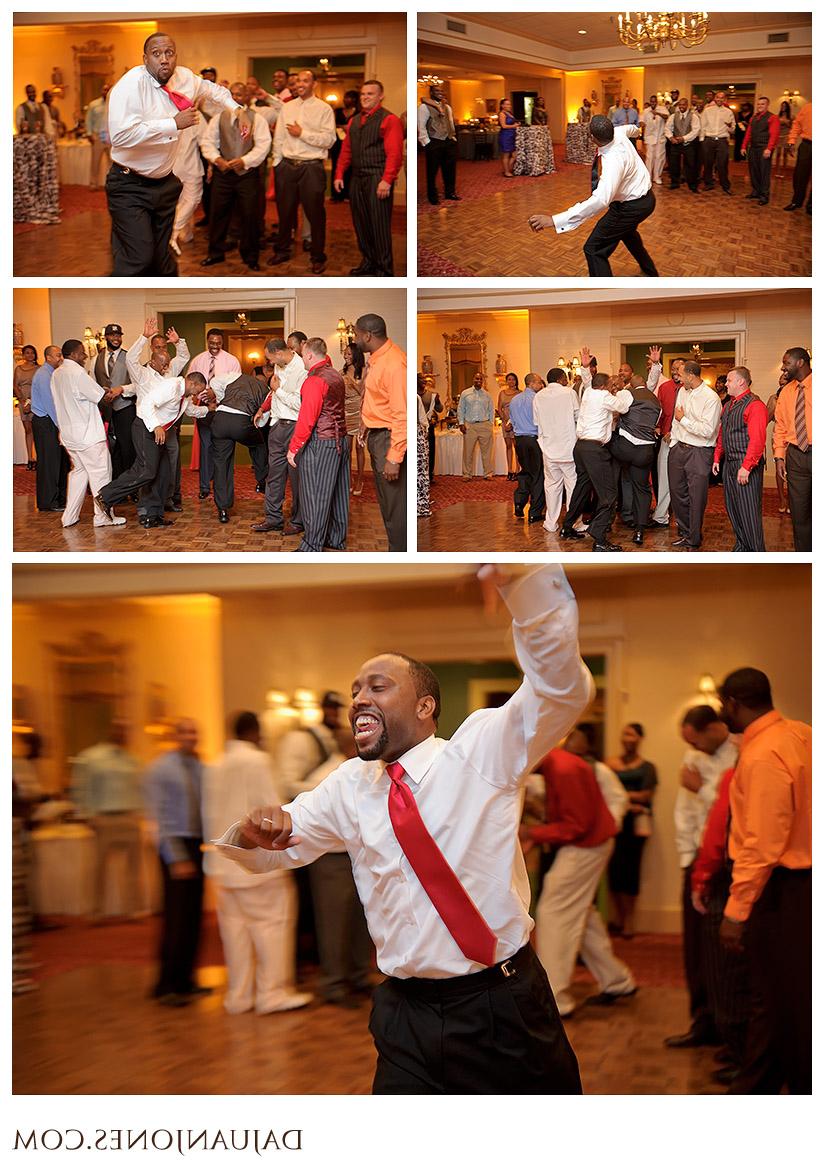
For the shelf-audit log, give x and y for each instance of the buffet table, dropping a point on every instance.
(74, 159)
(35, 190)
(533, 151)
(449, 454)
(580, 147)
(63, 867)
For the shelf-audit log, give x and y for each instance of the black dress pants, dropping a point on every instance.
(149, 474)
(684, 157)
(688, 469)
(301, 184)
(803, 171)
(280, 436)
(142, 212)
(727, 974)
(123, 452)
(441, 155)
(205, 470)
(52, 464)
(530, 486)
(694, 961)
(180, 936)
(637, 462)
(232, 191)
(372, 220)
(229, 429)
(760, 172)
(391, 494)
(778, 944)
(596, 470)
(483, 1034)
(799, 468)
(716, 157)
(620, 225)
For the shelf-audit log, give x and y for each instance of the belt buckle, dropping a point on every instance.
(508, 969)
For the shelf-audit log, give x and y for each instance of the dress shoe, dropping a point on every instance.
(791, 207)
(751, 196)
(174, 1000)
(202, 496)
(680, 542)
(223, 515)
(727, 190)
(307, 245)
(434, 203)
(279, 258)
(690, 1038)
(534, 518)
(606, 548)
(290, 529)
(318, 267)
(101, 504)
(605, 999)
(657, 524)
(454, 197)
(519, 512)
(207, 262)
(260, 487)
(172, 508)
(763, 202)
(199, 991)
(294, 1001)
(638, 537)
(267, 527)
(361, 270)
(155, 522)
(571, 534)
(726, 1075)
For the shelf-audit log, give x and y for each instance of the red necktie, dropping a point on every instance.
(180, 100)
(451, 900)
(180, 409)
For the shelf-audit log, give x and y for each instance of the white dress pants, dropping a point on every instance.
(656, 154)
(558, 475)
(662, 504)
(567, 923)
(187, 203)
(257, 927)
(91, 467)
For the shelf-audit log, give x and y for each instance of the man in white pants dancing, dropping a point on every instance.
(77, 399)
(654, 122)
(555, 408)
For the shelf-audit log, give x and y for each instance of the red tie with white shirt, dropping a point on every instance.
(452, 902)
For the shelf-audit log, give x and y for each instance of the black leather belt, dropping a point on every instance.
(136, 174)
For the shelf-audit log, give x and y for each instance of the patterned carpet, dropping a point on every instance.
(478, 181)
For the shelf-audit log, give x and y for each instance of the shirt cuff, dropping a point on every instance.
(737, 910)
(561, 222)
(252, 859)
(537, 592)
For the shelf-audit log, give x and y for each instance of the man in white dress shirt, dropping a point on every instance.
(77, 400)
(148, 108)
(654, 123)
(431, 828)
(160, 404)
(717, 126)
(303, 135)
(601, 402)
(555, 408)
(624, 192)
(283, 408)
(695, 424)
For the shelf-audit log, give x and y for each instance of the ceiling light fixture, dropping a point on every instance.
(650, 31)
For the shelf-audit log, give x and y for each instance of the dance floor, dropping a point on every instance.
(479, 515)
(79, 246)
(94, 982)
(196, 529)
(688, 235)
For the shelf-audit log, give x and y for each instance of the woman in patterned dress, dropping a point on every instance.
(423, 451)
(24, 372)
(353, 364)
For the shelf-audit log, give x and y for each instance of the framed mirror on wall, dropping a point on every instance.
(464, 354)
(93, 68)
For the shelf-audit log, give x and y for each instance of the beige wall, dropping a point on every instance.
(31, 311)
(772, 77)
(579, 84)
(506, 333)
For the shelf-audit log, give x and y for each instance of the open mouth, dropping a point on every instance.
(365, 726)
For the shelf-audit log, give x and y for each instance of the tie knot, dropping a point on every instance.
(395, 771)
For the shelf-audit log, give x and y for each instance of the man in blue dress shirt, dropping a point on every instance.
(52, 461)
(625, 114)
(530, 489)
(476, 416)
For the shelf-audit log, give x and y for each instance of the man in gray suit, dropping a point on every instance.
(110, 371)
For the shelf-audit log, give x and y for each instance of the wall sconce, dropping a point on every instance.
(346, 333)
(242, 320)
(708, 690)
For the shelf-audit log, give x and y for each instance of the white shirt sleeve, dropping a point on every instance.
(622, 401)
(137, 372)
(323, 135)
(653, 375)
(214, 98)
(685, 824)
(288, 393)
(423, 118)
(703, 419)
(128, 125)
(180, 359)
(210, 140)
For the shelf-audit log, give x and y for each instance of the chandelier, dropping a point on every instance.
(430, 79)
(653, 30)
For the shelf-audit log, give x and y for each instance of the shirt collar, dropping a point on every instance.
(368, 113)
(759, 725)
(324, 362)
(381, 350)
(417, 760)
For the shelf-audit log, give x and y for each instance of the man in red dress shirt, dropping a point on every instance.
(742, 437)
(667, 394)
(373, 148)
(759, 143)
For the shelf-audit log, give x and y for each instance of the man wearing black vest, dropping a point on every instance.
(319, 448)
(236, 143)
(439, 139)
(373, 148)
(238, 398)
(759, 143)
(110, 371)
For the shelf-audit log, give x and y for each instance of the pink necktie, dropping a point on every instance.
(180, 100)
(451, 900)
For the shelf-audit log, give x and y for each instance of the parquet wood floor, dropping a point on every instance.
(79, 247)
(688, 235)
(201, 1050)
(491, 525)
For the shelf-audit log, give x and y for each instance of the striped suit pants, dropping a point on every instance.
(744, 506)
(372, 220)
(323, 468)
(726, 973)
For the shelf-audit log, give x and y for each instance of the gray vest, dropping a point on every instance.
(682, 123)
(119, 376)
(232, 146)
(440, 126)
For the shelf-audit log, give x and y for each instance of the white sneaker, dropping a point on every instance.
(659, 182)
(287, 1002)
(114, 521)
(550, 529)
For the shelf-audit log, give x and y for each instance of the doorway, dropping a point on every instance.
(715, 357)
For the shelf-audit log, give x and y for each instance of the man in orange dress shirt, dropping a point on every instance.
(769, 909)
(802, 128)
(793, 443)
(383, 423)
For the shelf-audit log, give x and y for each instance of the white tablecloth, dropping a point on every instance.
(63, 863)
(20, 454)
(449, 454)
(74, 158)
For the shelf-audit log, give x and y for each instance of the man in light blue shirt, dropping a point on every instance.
(97, 128)
(530, 488)
(625, 115)
(52, 461)
(476, 415)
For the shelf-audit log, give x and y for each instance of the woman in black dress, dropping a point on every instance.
(639, 779)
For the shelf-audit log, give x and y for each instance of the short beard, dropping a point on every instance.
(373, 755)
